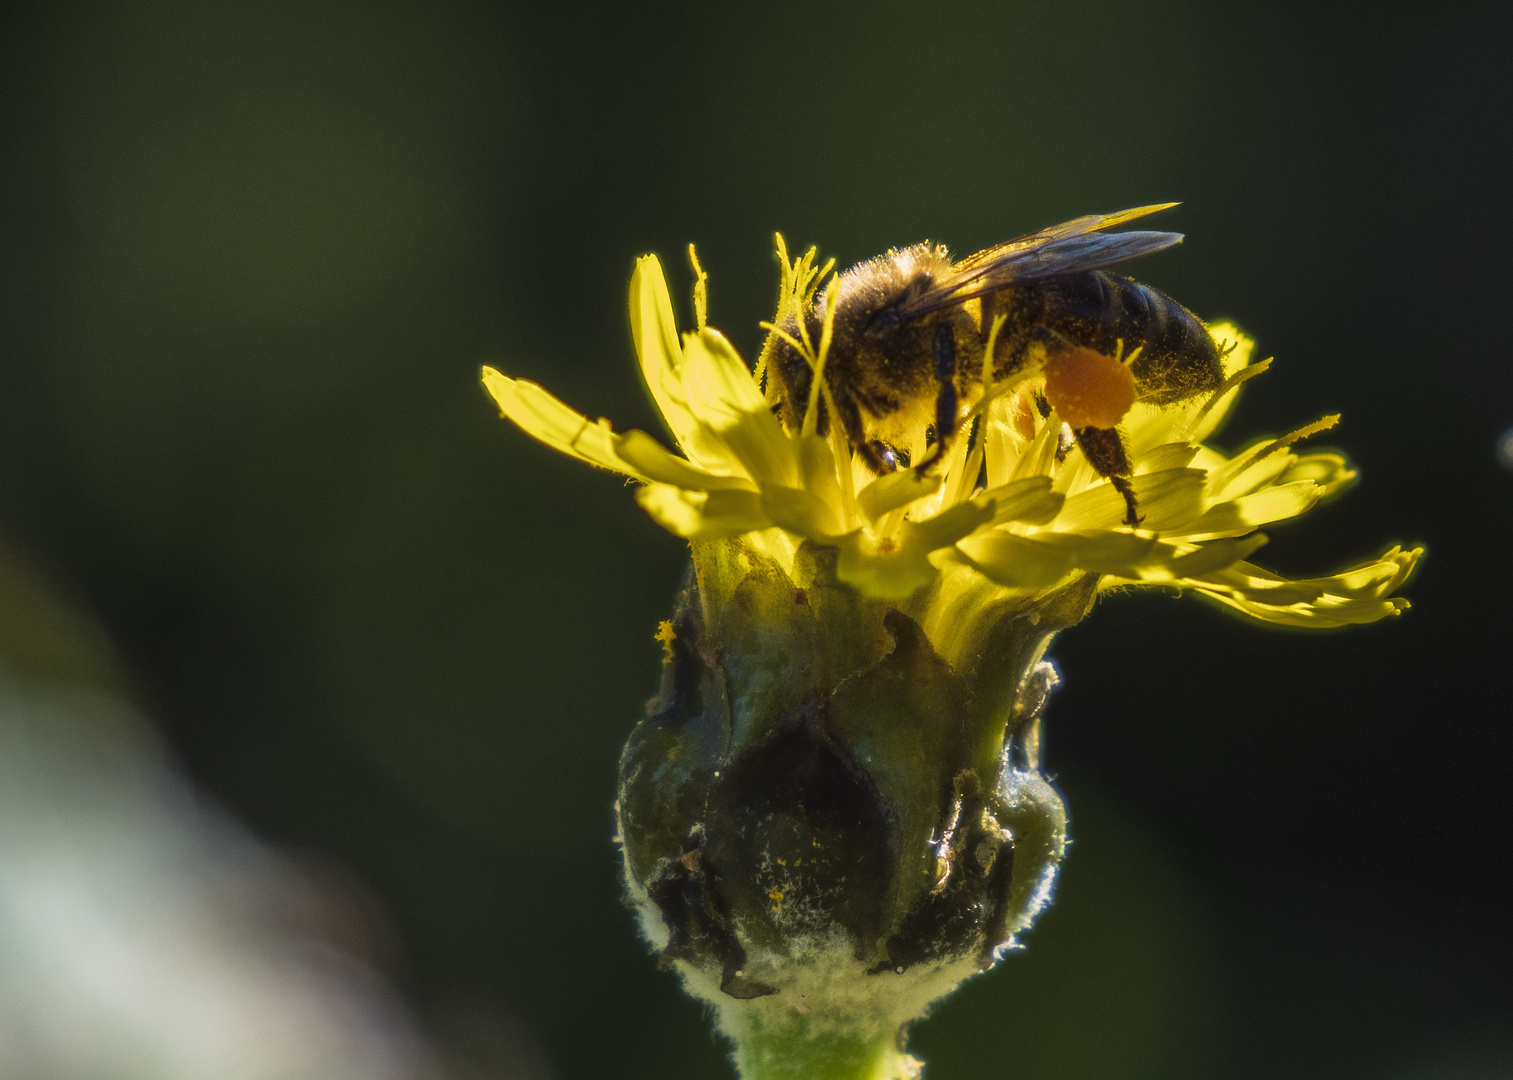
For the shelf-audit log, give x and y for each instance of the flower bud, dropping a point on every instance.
(823, 820)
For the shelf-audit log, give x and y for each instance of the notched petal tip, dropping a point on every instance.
(1359, 594)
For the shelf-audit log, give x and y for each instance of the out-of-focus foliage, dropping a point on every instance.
(144, 933)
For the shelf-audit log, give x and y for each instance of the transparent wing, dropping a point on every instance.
(1076, 227)
(1073, 247)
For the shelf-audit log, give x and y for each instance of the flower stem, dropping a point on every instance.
(800, 1050)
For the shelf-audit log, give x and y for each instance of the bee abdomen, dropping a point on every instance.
(1177, 359)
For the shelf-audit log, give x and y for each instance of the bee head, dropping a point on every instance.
(883, 322)
(879, 365)
(872, 294)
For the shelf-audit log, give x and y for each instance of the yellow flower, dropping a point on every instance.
(1043, 516)
(834, 811)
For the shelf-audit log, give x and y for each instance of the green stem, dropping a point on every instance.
(798, 1051)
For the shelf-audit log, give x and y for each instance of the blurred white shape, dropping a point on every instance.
(144, 935)
(1505, 449)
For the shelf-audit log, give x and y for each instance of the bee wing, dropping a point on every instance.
(1073, 247)
(1076, 227)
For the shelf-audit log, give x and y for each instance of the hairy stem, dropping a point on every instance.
(799, 1050)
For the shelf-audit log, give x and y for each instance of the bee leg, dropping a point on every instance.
(945, 398)
(1132, 516)
(879, 456)
(1104, 450)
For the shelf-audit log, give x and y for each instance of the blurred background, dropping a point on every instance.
(315, 673)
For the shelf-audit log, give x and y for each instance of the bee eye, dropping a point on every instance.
(890, 458)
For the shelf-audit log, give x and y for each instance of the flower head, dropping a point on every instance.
(1015, 508)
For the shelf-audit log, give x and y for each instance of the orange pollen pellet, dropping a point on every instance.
(1088, 389)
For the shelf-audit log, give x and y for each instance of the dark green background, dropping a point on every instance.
(253, 255)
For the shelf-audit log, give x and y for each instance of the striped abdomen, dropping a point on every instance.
(1178, 358)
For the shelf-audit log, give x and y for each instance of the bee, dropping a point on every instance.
(911, 328)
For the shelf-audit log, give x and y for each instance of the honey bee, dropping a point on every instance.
(911, 328)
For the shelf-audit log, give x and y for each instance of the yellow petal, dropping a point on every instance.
(697, 516)
(1045, 558)
(1241, 348)
(655, 332)
(1324, 613)
(653, 461)
(1038, 458)
(1030, 501)
(1016, 562)
(1172, 564)
(1121, 554)
(544, 417)
(716, 376)
(1241, 474)
(1276, 503)
(1228, 482)
(818, 475)
(1242, 515)
(802, 513)
(1168, 500)
(1216, 556)
(893, 490)
(949, 526)
(884, 573)
(1196, 419)
(725, 399)
(1330, 471)
(895, 567)
(678, 511)
(1001, 444)
(1372, 580)
(1172, 455)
